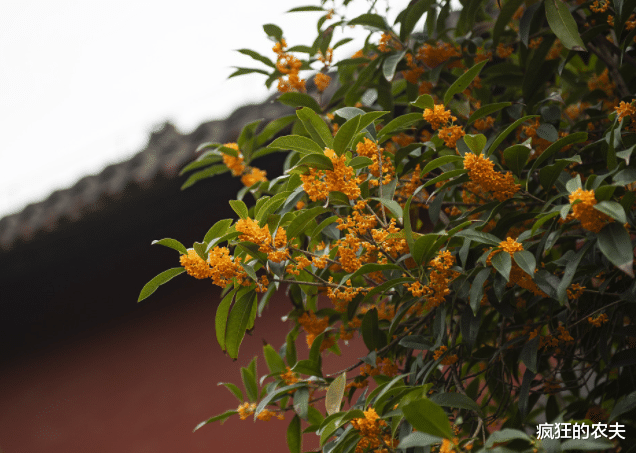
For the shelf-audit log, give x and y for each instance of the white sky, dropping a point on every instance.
(83, 83)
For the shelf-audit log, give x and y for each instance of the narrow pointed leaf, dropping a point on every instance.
(563, 24)
(335, 392)
(159, 280)
(463, 81)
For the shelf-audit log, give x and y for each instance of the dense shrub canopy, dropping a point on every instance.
(458, 193)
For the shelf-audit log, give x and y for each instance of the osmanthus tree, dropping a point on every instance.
(464, 202)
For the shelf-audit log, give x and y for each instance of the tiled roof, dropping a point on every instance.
(165, 154)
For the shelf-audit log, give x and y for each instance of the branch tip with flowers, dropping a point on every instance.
(463, 205)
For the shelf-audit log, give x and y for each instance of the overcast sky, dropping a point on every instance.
(83, 83)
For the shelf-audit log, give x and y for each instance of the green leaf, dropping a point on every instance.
(398, 123)
(590, 444)
(345, 134)
(318, 161)
(479, 236)
(502, 136)
(371, 267)
(615, 244)
(556, 146)
(568, 273)
(203, 161)
(390, 64)
(487, 110)
(233, 389)
(526, 261)
(249, 382)
(203, 174)
(448, 175)
(294, 435)
(408, 231)
(463, 81)
(243, 71)
(302, 220)
(298, 143)
(380, 289)
(505, 16)
(290, 350)
(258, 57)
(335, 392)
(370, 20)
(456, 400)
(477, 289)
(217, 230)
(436, 163)
(626, 176)
(299, 100)
(427, 417)
(424, 102)
(240, 208)
(392, 206)
(563, 25)
(307, 367)
(612, 209)
(526, 22)
(626, 404)
(173, 244)
(423, 246)
(502, 263)
(246, 138)
(529, 354)
(316, 127)
(237, 322)
(220, 321)
(416, 342)
(305, 8)
(549, 174)
(159, 280)
(516, 157)
(411, 15)
(360, 162)
(476, 142)
(272, 128)
(275, 363)
(301, 402)
(279, 392)
(273, 31)
(221, 417)
(548, 132)
(417, 439)
(506, 435)
(262, 212)
(371, 334)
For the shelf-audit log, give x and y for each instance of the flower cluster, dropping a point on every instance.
(251, 232)
(517, 275)
(219, 267)
(438, 116)
(370, 429)
(434, 55)
(322, 81)
(368, 148)
(485, 178)
(249, 175)
(318, 183)
(584, 211)
(313, 325)
(289, 66)
(235, 164)
(448, 359)
(598, 321)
